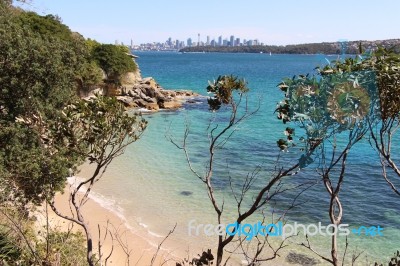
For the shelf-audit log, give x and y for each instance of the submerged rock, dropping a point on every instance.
(296, 258)
(186, 193)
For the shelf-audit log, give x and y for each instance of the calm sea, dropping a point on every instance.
(152, 187)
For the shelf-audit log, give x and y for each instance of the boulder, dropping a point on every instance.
(151, 92)
(171, 105)
(133, 94)
(151, 100)
(152, 106)
(126, 100)
(151, 82)
(140, 102)
(130, 78)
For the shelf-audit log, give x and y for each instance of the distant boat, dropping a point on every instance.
(261, 52)
(270, 53)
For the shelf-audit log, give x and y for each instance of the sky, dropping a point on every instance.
(278, 22)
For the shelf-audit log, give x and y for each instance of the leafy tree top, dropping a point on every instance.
(345, 95)
(223, 89)
(113, 59)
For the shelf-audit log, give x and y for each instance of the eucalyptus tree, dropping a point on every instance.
(229, 103)
(333, 108)
(45, 129)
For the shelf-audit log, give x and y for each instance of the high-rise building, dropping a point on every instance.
(198, 39)
(225, 42)
(213, 43)
(232, 40)
(220, 41)
(189, 42)
(131, 44)
(237, 42)
(208, 40)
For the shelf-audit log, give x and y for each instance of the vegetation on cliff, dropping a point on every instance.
(46, 130)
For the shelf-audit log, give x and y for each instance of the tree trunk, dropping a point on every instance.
(220, 252)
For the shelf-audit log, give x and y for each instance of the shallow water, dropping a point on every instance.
(152, 187)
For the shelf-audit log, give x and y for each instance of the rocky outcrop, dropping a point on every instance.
(147, 93)
(130, 78)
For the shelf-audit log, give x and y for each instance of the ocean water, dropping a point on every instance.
(152, 187)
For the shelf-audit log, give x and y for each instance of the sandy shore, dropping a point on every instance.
(127, 247)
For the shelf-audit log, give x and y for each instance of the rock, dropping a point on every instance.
(150, 81)
(295, 258)
(146, 93)
(154, 93)
(171, 105)
(152, 106)
(125, 99)
(149, 106)
(151, 100)
(186, 193)
(140, 102)
(133, 94)
(130, 78)
(99, 91)
(142, 95)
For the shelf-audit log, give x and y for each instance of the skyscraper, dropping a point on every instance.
(232, 40)
(220, 41)
(198, 39)
(189, 42)
(237, 42)
(208, 40)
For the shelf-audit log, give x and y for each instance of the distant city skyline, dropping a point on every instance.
(176, 44)
(272, 22)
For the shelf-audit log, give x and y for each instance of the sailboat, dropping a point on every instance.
(270, 53)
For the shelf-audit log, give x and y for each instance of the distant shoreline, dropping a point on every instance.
(340, 47)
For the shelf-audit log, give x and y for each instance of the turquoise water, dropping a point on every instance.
(146, 184)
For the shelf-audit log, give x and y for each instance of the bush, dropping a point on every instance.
(113, 60)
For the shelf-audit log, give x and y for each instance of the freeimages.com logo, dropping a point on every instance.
(280, 229)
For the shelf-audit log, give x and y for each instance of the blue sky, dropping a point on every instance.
(272, 22)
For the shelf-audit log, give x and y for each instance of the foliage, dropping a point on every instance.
(21, 244)
(91, 75)
(353, 96)
(327, 104)
(394, 261)
(91, 45)
(45, 26)
(113, 60)
(222, 90)
(384, 67)
(45, 130)
(66, 248)
(38, 79)
(89, 127)
(206, 258)
(37, 74)
(9, 250)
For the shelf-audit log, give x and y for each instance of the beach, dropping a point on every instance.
(126, 245)
(129, 244)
